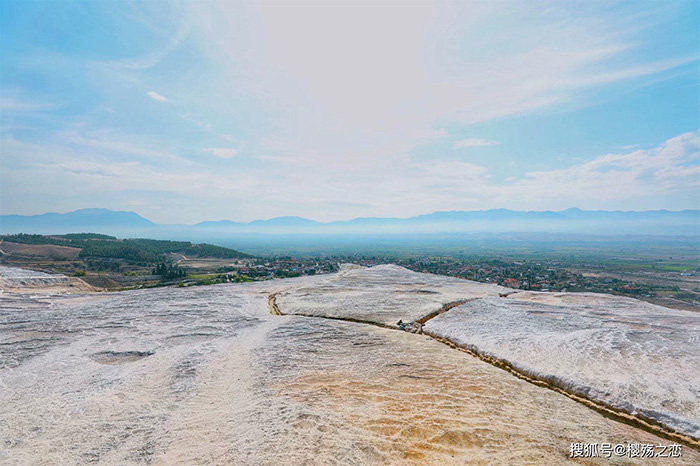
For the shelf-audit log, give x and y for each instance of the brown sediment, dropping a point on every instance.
(444, 308)
(639, 421)
(272, 303)
(275, 310)
(416, 433)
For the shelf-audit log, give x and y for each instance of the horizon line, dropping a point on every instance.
(351, 219)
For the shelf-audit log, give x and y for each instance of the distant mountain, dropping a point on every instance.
(575, 213)
(130, 224)
(489, 215)
(286, 222)
(217, 223)
(97, 220)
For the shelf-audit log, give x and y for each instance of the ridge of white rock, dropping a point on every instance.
(383, 294)
(635, 356)
(22, 280)
(17, 277)
(207, 375)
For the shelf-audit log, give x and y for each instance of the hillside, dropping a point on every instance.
(79, 220)
(139, 250)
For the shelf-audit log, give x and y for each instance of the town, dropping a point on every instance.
(543, 274)
(108, 263)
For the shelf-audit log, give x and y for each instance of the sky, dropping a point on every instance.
(185, 112)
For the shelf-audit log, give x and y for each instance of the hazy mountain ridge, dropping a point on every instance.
(573, 220)
(75, 219)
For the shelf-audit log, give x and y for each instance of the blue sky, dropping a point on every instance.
(196, 111)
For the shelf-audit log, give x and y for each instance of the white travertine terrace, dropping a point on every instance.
(631, 355)
(16, 279)
(12, 276)
(384, 294)
(207, 375)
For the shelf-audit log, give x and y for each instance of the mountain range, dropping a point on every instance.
(130, 224)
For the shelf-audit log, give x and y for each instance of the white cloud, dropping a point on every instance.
(616, 179)
(155, 96)
(474, 143)
(395, 186)
(435, 134)
(450, 64)
(196, 121)
(221, 152)
(12, 103)
(327, 122)
(111, 143)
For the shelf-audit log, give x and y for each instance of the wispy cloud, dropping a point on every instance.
(15, 104)
(355, 102)
(196, 121)
(221, 152)
(387, 187)
(353, 134)
(474, 143)
(618, 178)
(155, 96)
(440, 133)
(107, 142)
